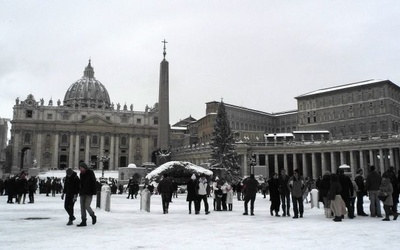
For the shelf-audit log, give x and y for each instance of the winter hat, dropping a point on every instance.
(193, 177)
(359, 171)
(69, 171)
(83, 165)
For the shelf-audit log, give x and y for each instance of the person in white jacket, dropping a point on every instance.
(202, 193)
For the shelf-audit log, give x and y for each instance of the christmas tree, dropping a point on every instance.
(223, 154)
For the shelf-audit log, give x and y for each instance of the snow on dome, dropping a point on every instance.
(171, 164)
(132, 165)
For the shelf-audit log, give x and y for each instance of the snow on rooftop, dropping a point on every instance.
(345, 86)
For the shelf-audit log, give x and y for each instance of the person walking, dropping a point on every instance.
(86, 192)
(250, 188)
(297, 188)
(191, 194)
(165, 189)
(360, 192)
(22, 187)
(347, 192)
(130, 188)
(70, 191)
(372, 185)
(284, 192)
(202, 188)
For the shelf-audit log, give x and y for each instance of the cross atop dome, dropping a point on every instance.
(89, 72)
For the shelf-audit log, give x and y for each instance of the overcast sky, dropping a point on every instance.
(256, 54)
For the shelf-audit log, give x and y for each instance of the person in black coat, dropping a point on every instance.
(32, 186)
(71, 190)
(250, 188)
(191, 194)
(347, 191)
(22, 187)
(86, 192)
(323, 189)
(274, 194)
(360, 192)
(165, 189)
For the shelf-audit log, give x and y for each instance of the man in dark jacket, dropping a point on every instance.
(87, 190)
(71, 190)
(165, 189)
(347, 192)
(284, 192)
(372, 185)
(250, 187)
(360, 192)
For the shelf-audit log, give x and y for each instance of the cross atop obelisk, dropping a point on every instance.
(164, 42)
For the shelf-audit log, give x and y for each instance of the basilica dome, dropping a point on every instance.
(87, 92)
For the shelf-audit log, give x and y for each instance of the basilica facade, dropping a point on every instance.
(85, 126)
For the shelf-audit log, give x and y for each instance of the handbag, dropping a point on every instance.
(382, 197)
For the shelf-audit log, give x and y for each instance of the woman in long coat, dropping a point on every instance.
(386, 189)
(338, 206)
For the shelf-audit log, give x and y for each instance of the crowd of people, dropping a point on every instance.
(338, 192)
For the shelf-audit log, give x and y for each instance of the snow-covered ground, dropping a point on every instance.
(42, 225)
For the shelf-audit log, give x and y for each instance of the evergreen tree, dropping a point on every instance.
(223, 147)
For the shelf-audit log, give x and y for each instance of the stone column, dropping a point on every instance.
(304, 159)
(77, 146)
(87, 149)
(333, 163)
(71, 151)
(381, 161)
(131, 151)
(55, 152)
(285, 162)
(111, 162)
(276, 163)
(342, 158)
(116, 159)
(245, 165)
(38, 153)
(371, 158)
(314, 166)
(353, 166)
(295, 166)
(101, 153)
(391, 160)
(362, 164)
(323, 163)
(267, 165)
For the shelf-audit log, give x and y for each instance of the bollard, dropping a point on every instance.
(105, 198)
(145, 200)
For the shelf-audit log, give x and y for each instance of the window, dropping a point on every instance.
(49, 116)
(29, 113)
(107, 141)
(139, 121)
(83, 117)
(65, 116)
(64, 139)
(27, 138)
(108, 118)
(124, 119)
(94, 140)
(155, 120)
(123, 141)
(82, 141)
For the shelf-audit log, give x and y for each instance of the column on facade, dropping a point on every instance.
(77, 146)
(116, 152)
(71, 151)
(362, 163)
(285, 162)
(381, 161)
(295, 166)
(371, 157)
(101, 153)
(111, 161)
(323, 163)
(342, 158)
(131, 151)
(304, 160)
(391, 157)
(266, 166)
(333, 162)
(55, 152)
(353, 166)
(39, 150)
(276, 169)
(245, 165)
(314, 166)
(87, 149)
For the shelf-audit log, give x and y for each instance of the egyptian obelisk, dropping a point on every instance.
(163, 110)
